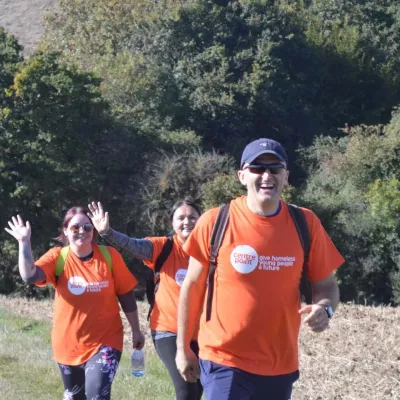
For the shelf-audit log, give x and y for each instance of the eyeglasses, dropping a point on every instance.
(76, 228)
(260, 169)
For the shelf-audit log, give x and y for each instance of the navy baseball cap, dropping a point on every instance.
(262, 146)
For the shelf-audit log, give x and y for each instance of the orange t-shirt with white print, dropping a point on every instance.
(86, 310)
(172, 274)
(254, 322)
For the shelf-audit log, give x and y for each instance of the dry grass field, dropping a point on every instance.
(24, 20)
(358, 358)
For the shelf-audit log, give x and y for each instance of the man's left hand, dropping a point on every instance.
(317, 318)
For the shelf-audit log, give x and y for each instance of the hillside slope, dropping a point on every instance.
(24, 19)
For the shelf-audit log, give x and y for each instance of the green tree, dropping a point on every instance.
(354, 185)
(10, 56)
(59, 148)
(230, 71)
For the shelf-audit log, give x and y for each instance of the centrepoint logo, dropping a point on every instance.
(180, 276)
(244, 259)
(77, 285)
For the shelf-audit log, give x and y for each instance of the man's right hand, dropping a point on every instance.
(99, 217)
(188, 365)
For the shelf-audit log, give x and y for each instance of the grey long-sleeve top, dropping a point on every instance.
(139, 248)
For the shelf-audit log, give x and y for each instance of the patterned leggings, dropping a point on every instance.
(91, 380)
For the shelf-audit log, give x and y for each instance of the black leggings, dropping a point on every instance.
(166, 350)
(91, 380)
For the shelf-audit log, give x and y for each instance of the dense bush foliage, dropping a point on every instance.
(354, 185)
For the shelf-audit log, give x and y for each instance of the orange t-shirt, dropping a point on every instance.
(86, 310)
(172, 275)
(254, 322)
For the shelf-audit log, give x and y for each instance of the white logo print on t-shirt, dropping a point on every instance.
(244, 259)
(180, 276)
(77, 285)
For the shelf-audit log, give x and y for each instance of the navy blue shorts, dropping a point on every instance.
(227, 383)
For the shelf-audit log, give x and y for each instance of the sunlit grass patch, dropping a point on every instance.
(28, 371)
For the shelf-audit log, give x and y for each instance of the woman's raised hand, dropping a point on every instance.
(99, 217)
(21, 231)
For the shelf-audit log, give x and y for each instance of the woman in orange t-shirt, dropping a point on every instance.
(163, 318)
(87, 336)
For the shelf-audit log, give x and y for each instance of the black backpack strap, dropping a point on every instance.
(154, 281)
(303, 231)
(165, 252)
(215, 243)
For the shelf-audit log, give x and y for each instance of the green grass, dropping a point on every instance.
(28, 371)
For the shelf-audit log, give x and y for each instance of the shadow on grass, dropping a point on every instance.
(6, 359)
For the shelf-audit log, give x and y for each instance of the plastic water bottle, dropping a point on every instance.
(137, 361)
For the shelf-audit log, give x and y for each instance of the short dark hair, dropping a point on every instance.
(189, 202)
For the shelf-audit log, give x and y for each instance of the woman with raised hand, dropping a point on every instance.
(89, 280)
(163, 318)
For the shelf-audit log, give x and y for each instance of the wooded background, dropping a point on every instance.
(138, 103)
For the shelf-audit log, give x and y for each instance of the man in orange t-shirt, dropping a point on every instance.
(249, 346)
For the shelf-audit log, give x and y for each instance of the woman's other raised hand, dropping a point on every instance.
(99, 217)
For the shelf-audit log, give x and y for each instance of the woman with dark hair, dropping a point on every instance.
(163, 318)
(87, 335)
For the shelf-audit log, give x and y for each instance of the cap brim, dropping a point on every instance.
(263, 152)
